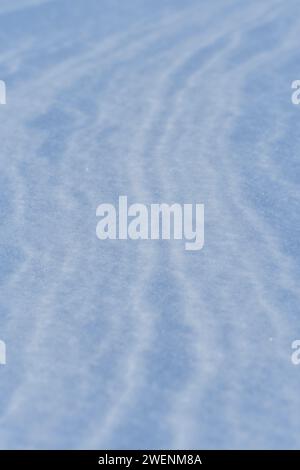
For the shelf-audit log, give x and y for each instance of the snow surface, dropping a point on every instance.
(141, 344)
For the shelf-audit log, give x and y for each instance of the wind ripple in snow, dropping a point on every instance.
(141, 344)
